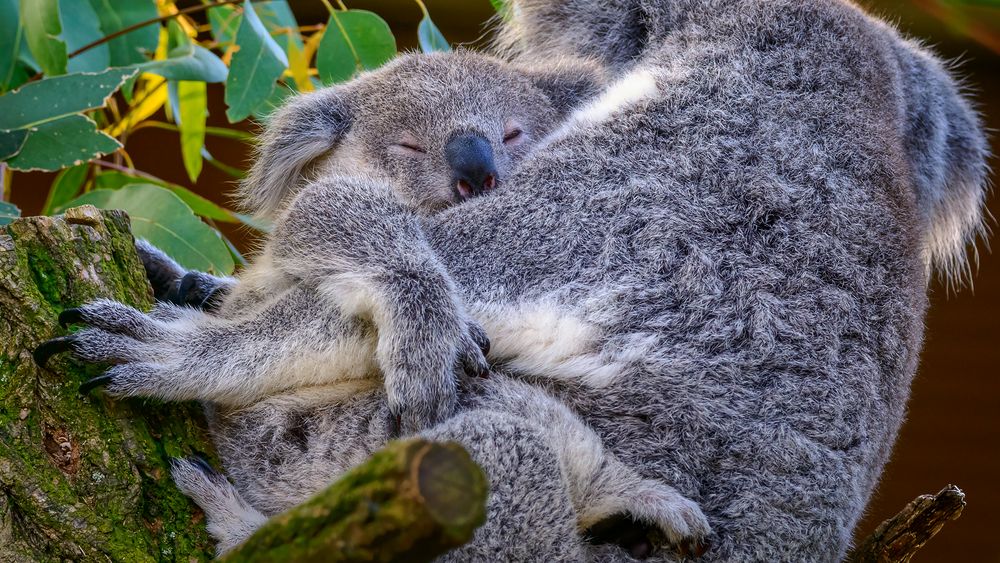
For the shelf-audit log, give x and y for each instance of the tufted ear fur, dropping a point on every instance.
(304, 129)
(568, 82)
(948, 154)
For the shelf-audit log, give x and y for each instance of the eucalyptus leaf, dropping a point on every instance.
(189, 62)
(163, 219)
(192, 116)
(116, 15)
(11, 143)
(113, 180)
(225, 21)
(42, 29)
(52, 99)
(82, 28)
(11, 36)
(277, 17)
(8, 212)
(354, 40)
(430, 37)
(255, 68)
(64, 188)
(273, 102)
(64, 142)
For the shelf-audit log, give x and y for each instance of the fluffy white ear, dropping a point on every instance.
(304, 129)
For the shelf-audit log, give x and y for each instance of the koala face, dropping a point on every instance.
(440, 128)
(443, 128)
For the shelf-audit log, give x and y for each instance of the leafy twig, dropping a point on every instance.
(161, 19)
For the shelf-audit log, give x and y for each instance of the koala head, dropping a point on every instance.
(441, 128)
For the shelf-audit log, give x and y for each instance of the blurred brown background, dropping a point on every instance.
(953, 431)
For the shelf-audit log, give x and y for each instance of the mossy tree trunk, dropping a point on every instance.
(83, 478)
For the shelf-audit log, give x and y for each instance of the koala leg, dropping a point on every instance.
(178, 353)
(612, 502)
(230, 518)
(366, 254)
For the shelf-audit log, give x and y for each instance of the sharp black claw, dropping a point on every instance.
(51, 348)
(91, 384)
(395, 425)
(70, 317)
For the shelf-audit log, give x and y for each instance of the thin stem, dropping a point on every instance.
(423, 8)
(129, 171)
(214, 131)
(4, 184)
(161, 19)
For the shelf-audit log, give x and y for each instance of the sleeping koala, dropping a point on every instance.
(347, 289)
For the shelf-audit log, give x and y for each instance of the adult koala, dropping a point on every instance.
(738, 235)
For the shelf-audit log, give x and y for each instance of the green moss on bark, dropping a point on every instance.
(411, 501)
(83, 478)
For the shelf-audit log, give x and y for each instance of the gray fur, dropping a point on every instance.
(755, 205)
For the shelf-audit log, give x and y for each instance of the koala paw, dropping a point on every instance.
(473, 348)
(198, 290)
(651, 512)
(117, 334)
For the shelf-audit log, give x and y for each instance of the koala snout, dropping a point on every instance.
(473, 170)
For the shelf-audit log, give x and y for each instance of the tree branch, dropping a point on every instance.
(898, 538)
(411, 501)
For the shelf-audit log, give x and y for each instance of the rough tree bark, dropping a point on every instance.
(899, 538)
(83, 478)
(412, 501)
(87, 479)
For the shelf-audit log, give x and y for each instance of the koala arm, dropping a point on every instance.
(351, 239)
(179, 353)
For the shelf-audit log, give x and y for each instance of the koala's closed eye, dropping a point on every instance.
(408, 145)
(513, 135)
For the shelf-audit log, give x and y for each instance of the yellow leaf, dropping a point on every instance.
(298, 66)
(149, 100)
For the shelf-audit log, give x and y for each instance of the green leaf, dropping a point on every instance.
(354, 41)
(116, 15)
(430, 37)
(160, 217)
(11, 143)
(500, 6)
(64, 188)
(8, 212)
(65, 142)
(51, 99)
(42, 29)
(82, 28)
(189, 62)
(255, 68)
(192, 98)
(225, 21)
(278, 18)
(273, 102)
(116, 180)
(11, 36)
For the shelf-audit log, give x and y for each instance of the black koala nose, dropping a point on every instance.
(471, 159)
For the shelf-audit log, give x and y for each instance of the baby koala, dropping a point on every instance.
(346, 286)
